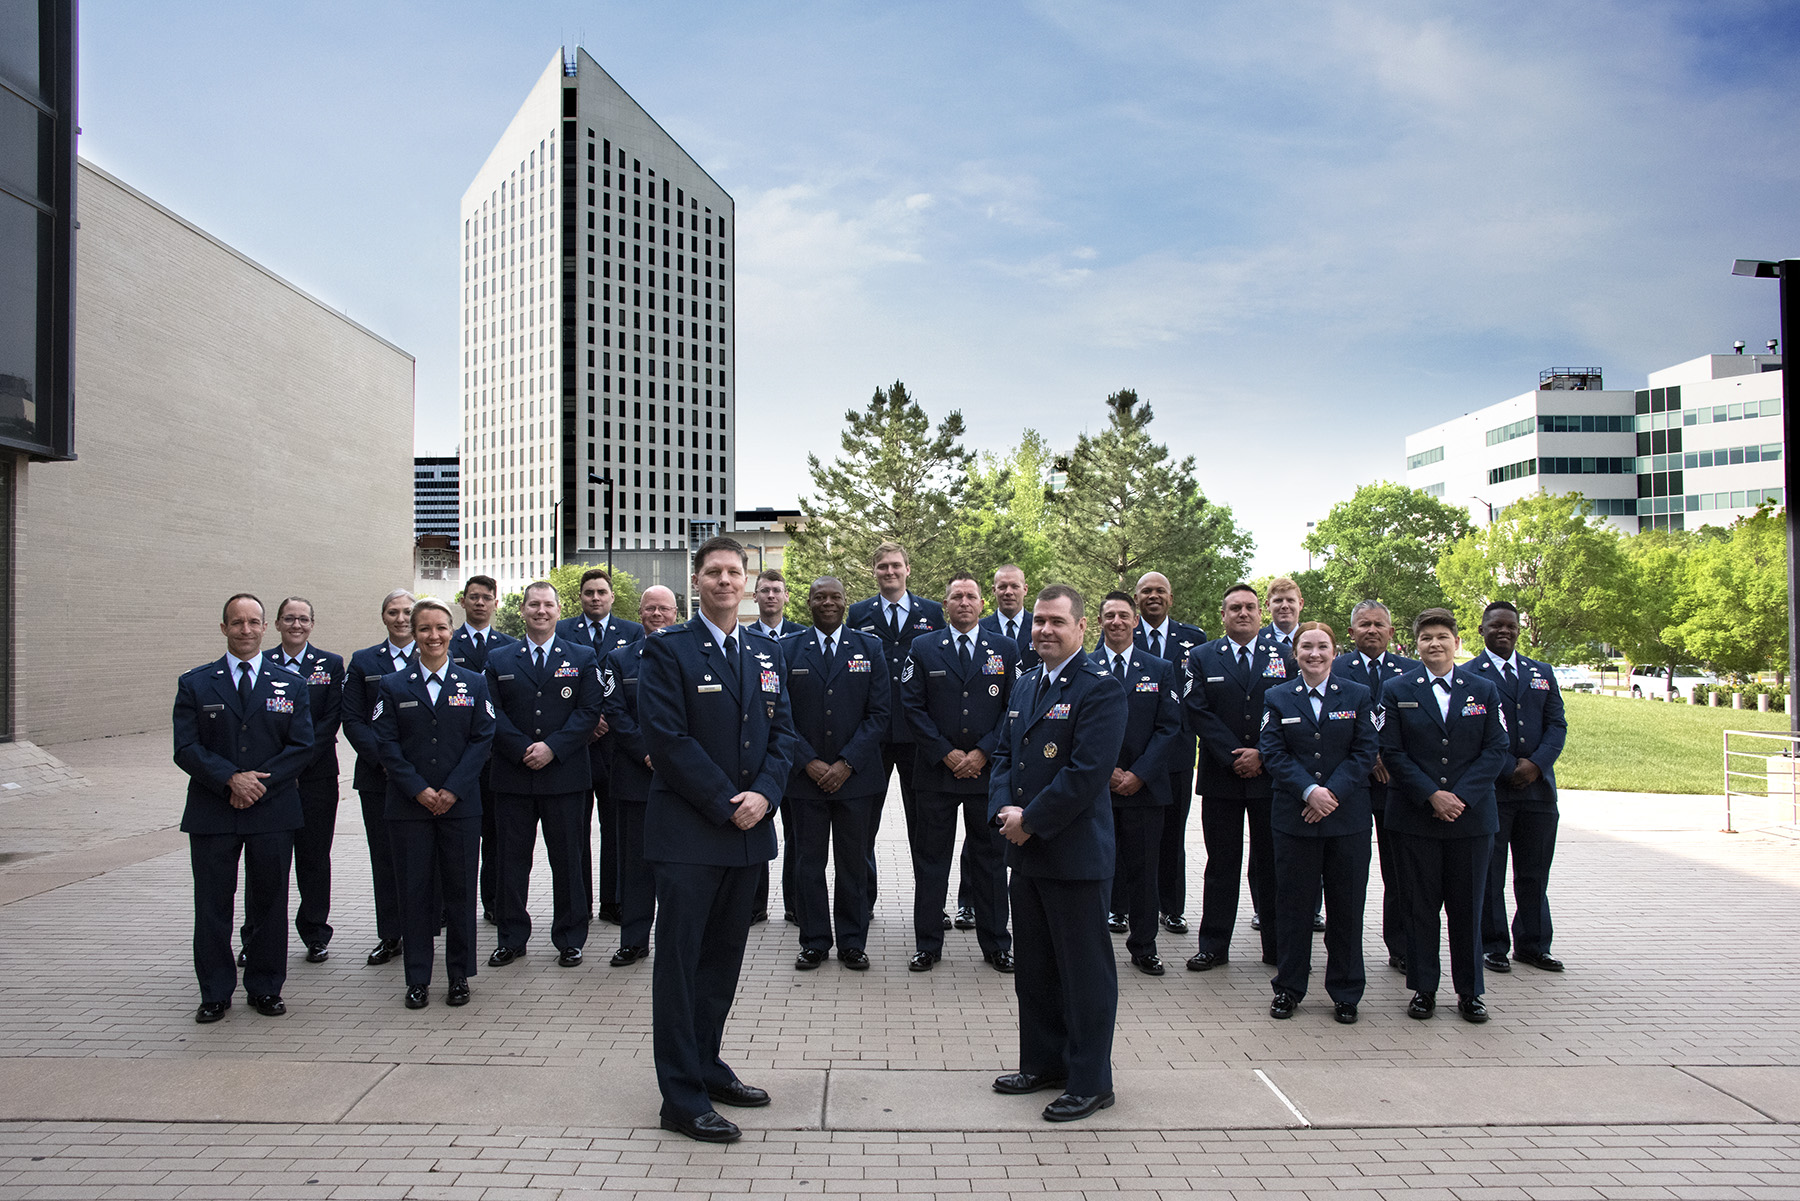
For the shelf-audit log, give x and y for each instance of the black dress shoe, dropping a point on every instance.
(569, 957)
(922, 961)
(384, 950)
(611, 914)
(458, 993)
(1344, 1013)
(1015, 1084)
(1539, 960)
(629, 955)
(1117, 924)
(744, 1096)
(269, 1005)
(1206, 961)
(1000, 961)
(965, 919)
(1318, 923)
(211, 1011)
(1174, 923)
(1398, 963)
(1422, 1006)
(1283, 1005)
(1255, 920)
(1150, 965)
(856, 961)
(1069, 1107)
(243, 959)
(760, 916)
(317, 952)
(1472, 1009)
(1494, 961)
(787, 915)
(417, 997)
(808, 959)
(708, 1127)
(505, 955)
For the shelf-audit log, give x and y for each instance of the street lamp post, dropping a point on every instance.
(1490, 507)
(606, 483)
(1785, 270)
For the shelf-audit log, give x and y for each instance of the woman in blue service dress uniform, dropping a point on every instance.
(434, 725)
(1319, 744)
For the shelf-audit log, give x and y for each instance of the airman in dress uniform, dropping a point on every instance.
(474, 639)
(362, 680)
(1162, 637)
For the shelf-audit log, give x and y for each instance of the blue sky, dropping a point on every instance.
(1300, 231)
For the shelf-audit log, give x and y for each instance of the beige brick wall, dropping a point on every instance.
(233, 434)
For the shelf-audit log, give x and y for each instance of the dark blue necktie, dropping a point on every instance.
(244, 684)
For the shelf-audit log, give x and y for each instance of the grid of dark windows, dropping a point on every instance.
(1725, 456)
(1425, 458)
(1512, 471)
(1577, 465)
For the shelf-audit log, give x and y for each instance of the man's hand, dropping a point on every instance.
(1446, 806)
(538, 756)
(446, 799)
(649, 764)
(600, 728)
(1320, 804)
(954, 760)
(1126, 784)
(973, 764)
(751, 808)
(816, 769)
(1012, 825)
(247, 788)
(835, 776)
(1525, 774)
(428, 798)
(1380, 773)
(1246, 761)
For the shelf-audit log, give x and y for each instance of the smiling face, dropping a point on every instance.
(1284, 608)
(720, 586)
(1437, 648)
(432, 633)
(396, 615)
(295, 625)
(656, 608)
(243, 627)
(1315, 650)
(771, 599)
(1500, 631)
(1242, 613)
(825, 601)
(891, 574)
(541, 610)
(1117, 621)
(1056, 633)
(1154, 597)
(1009, 591)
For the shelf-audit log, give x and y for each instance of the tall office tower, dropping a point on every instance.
(598, 352)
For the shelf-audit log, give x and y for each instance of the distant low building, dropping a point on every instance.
(1699, 445)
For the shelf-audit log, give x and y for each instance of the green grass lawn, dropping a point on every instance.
(1650, 746)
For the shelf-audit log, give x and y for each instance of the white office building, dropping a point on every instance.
(1700, 445)
(597, 294)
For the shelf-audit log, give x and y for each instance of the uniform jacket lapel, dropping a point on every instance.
(1048, 701)
(715, 659)
(226, 685)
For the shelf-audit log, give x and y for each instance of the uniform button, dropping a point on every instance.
(1443, 760)
(1441, 780)
(746, 746)
(965, 729)
(1315, 754)
(1317, 776)
(434, 742)
(828, 733)
(1445, 741)
(965, 696)
(1316, 737)
(1020, 791)
(829, 692)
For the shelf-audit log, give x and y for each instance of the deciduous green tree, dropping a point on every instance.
(895, 480)
(1734, 608)
(1647, 630)
(1549, 556)
(1004, 517)
(1382, 544)
(510, 620)
(1126, 509)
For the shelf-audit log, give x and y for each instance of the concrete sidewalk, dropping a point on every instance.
(1672, 1017)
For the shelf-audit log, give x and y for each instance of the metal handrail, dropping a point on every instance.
(1790, 751)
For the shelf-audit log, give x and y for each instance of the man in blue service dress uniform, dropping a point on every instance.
(469, 648)
(324, 676)
(362, 679)
(714, 703)
(1525, 795)
(838, 692)
(958, 684)
(1226, 682)
(1371, 664)
(598, 630)
(896, 616)
(1140, 782)
(546, 693)
(1162, 637)
(1051, 799)
(631, 776)
(1443, 739)
(243, 734)
(771, 599)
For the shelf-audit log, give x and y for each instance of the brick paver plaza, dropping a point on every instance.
(1664, 1063)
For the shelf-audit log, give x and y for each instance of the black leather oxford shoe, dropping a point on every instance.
(1494, 961)
(569, 957)
(211, 1011)
(1018, 1083)
(708, 1127)
(1000, 961)
(504, 955)
(417, 997)
(965, 919)
(1539, 960)
(459, 992)
(384, 950)
(1283, 1004)
(1472, 1009)
(808, 959)
(270, 1005)
(1344, 1013)
(629, 955)
(1117, 924)
(317, 952)
(1422, 1006)
(922, 961)
(744, 1096)
(1150, 965)
(1174, 923)
(1206, 961)
(1069, 1107)
(855, 960)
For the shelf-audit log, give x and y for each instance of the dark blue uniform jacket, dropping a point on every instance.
(362, 680)
(433, 746)
(1336, 750)
(1424, 753)
(1536, 727)
(1152, 724)
(619, 705)
(870, 617)
(948, 709)
(840, 712)
(1225, 708)
(558, 707)
(216, 737)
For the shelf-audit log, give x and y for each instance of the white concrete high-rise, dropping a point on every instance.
(597, 336)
